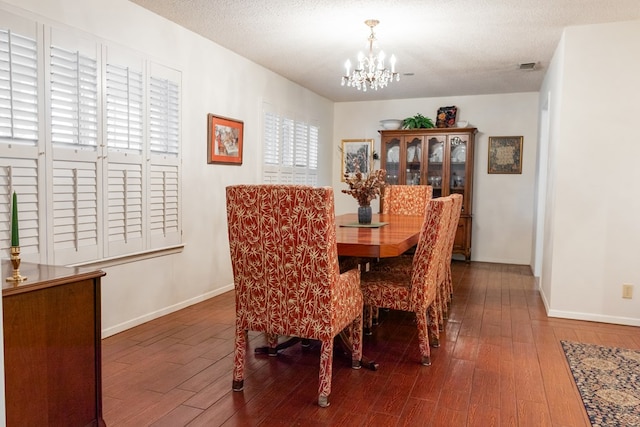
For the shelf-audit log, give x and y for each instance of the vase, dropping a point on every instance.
(364, 214)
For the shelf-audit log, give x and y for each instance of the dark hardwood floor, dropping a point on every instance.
(500, 364)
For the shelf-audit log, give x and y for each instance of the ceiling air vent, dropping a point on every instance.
(528, 66)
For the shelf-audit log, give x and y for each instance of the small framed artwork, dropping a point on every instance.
(446, 117)
(357, 156)
(224, 140)
(505, 154)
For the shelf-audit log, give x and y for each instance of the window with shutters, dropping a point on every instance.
(97, 176)
(290, 149)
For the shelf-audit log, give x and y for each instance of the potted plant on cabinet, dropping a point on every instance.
(417, 122)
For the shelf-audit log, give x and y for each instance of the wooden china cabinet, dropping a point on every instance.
(440, 157)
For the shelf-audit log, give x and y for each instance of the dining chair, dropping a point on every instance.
(282, 242)
(405, 263)
(447, 283)
(415, 290)
(406, 199)
(403, 200)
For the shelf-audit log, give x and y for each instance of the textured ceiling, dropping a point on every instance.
(451, 47)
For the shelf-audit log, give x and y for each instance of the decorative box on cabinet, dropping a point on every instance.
(440, 157)
(52, 347)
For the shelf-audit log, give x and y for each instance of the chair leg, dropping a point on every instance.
(240, 350)
(272, 341)
(368, 317)
(434, 328)
(326, 369)
(449, 284)
(423, 337)
(438, 309)
(356, 342)
(443, 309)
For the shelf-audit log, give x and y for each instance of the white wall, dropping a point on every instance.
(594, 150)
(502, 204)
(214, 80)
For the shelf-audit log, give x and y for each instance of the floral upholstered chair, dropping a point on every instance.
(445, 287)
(447, 283)
(415, 289)
(284, 256)
(406, 199)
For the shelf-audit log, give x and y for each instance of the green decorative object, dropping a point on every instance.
(15, 239)
(417, 122)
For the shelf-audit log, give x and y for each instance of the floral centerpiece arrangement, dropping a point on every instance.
(365, 189)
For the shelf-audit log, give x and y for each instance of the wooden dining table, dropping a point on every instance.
(396, 236)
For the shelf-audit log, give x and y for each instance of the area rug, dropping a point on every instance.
(608, 381)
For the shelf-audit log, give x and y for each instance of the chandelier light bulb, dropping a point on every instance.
(370, 72)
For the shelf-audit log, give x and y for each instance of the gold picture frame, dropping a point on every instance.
(357, 155)
(505, 154)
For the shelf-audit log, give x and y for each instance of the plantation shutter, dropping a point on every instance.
(301, 150)
(18, 88)
(312, 168)
(290, 149)
(164, 105)
(75, 211)
(73, 117)
(125, 168)
(21, 168)
(21, 176)
(164, 166)
(164, 215)
(74, 99)
(270, 145)
(124, 108)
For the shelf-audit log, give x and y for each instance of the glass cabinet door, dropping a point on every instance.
(414, 161)
(458, 156)
(392, 160)
(435, 170)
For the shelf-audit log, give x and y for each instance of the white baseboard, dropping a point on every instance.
(617, 320)
(591, 317)
(159, 313)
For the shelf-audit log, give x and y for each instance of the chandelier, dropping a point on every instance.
(370, 70)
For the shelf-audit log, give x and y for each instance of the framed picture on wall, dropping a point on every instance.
(357, 156)
(505, 154)
(224, 140)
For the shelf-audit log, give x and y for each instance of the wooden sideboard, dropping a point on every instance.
(52, 346)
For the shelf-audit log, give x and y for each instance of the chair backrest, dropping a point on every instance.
(456, 210)
(427, 260)
(282, 241)
(406, 199)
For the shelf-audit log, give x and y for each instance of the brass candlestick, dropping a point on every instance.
(15, 262)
